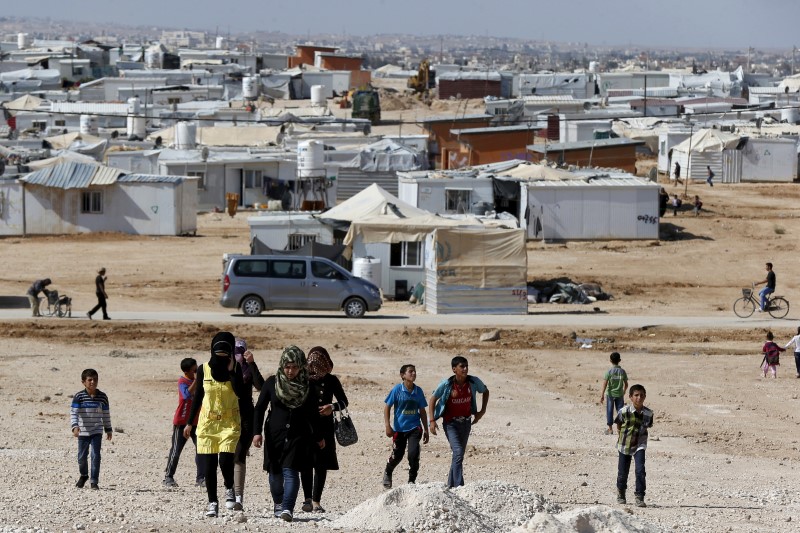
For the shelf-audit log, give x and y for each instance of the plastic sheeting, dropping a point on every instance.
(371, 202)
(709, 141)
(389, 229)
(310, 249)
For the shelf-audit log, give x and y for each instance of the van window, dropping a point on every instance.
(288, 269)
(251, 268)
(325, 271)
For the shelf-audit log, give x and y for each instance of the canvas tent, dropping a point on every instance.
(709, 148)
(370, 202)
(476, 271)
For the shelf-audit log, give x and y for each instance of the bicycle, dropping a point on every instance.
(777, 306)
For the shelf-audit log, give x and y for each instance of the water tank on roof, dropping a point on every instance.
(368, 268)
(88, 125)
(593, 66)
(136, 127)
(220, 43)
(134, 106)
(250, 87)
(23, 41)
(310, 159)
(185, 136)
(318, 96)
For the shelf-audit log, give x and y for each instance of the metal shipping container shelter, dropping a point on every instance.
(600, 208)
(476, 272)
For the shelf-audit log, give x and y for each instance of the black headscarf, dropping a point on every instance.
(222, 342)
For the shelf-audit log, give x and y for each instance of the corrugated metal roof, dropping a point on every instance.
(73, 176)
(497, 129)
(582, 145)
(153, 178)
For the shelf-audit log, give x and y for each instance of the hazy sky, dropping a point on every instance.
(691, 23)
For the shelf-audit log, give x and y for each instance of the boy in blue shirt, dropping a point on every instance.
(90, 418)
(410, 424)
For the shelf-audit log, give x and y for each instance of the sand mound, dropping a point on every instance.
(487, 506)
(595, 519)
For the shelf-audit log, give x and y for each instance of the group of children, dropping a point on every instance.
(454, 401)
(772, 351)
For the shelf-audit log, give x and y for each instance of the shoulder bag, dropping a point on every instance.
(344, 429)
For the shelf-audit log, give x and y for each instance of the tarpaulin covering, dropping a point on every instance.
(370, 202)
(481, 258)
(709, 141)
(390, 229)
(311, 248)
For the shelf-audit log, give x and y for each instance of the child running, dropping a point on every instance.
(772, 354)
(632, 423)
(615, 382)
(90, 417)
(186, 387)
(410, 424)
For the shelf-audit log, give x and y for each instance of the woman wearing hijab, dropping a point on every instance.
(251, 377)
(219, 387)
(291, 432)
(324, 387)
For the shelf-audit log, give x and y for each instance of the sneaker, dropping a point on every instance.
(277, 508)
(640, 501)
(82, 481)
(89, 316)
(286, 515)
(94, 486)
(213, 508)
(230, 498)
(200, 483)
(621, 496)
(318, 508)
(169, 482)
(609, 431)
(238, 505)
(307, 507)
(106, 318)
(387, 480)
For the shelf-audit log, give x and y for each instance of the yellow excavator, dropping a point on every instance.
(424, 79)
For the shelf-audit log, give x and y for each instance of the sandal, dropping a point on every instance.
(307, 507)
(318, 508)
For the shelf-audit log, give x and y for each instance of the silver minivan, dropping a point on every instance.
(256, 283)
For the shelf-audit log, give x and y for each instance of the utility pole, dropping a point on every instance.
(749, 51)
(794, 49)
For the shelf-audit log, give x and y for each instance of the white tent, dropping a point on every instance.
(370, 202)
(708, 141)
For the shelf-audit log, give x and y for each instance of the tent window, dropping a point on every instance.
(298, 240)
(252, 179)
(201, 183)
(92, 202)
(406, 254)
(457, 200)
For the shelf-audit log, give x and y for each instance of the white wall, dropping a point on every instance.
(274, 230)
(593, 212)
(769, 160)
(11, 207)
(389, 274)
(430, 194)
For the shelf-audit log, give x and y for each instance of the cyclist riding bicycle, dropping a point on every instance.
(769, 289)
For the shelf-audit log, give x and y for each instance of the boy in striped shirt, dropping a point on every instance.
(90, 418)
(632, 423)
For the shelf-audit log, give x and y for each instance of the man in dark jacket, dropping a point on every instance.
(33, 294)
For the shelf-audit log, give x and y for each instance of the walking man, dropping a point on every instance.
(102, 296)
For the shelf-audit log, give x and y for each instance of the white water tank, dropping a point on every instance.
(790, 115)
(88, 125)
(368, 268)
(185, 136)
(592, 66)
(220, 42)
(310, 159)
(134, 105)
(250, 87)
(318, 96)
(23, 41)
(136, 127)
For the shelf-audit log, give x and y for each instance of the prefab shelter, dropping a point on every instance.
(709, 148)
(82, 198)
(476, 271)
(595, 208)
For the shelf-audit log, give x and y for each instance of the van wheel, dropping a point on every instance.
(355, 308)
(252, 306)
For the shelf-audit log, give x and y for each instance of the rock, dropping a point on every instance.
(490, 336)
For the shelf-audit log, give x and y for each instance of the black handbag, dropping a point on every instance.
(344, 428)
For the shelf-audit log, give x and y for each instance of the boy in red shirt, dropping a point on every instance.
(186, 386)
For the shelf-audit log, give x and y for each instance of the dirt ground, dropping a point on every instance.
(724, 452)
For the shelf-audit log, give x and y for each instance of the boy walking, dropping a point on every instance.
(632, 423)
(455, 401)
(616, 383)
(90, 418)
(410, 424)
(186, 386)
